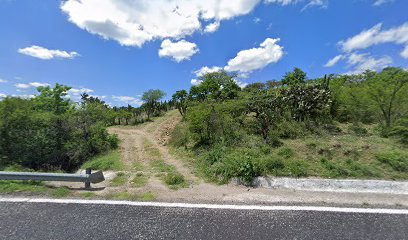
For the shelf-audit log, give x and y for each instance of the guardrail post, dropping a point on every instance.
(88, 183)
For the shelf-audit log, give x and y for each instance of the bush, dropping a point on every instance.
(273, 165)
(174, 179)
(180, 136)
(400, 130)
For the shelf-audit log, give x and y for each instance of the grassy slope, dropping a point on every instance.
(344, 155)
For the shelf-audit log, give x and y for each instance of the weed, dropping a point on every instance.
(119, 180)
(139, 180)
(88, 194)
(21, 186)
(397, 160)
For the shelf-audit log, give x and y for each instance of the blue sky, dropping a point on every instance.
(117, 49)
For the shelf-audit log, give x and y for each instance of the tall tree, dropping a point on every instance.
(388, 90)
(151, 101)
(296, 77)
(180, 99)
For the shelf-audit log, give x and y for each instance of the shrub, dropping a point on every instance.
(180, 136)
(174, 179)
(273, 165)
(400, 130)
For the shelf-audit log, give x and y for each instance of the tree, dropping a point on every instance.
(180, 99)
(296, 77)
(217, 86)
(388, 90)
(151, 101)
(53, 99)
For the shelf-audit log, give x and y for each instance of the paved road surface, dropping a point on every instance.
(31, 220)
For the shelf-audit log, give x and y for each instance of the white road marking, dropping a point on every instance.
(209, 206)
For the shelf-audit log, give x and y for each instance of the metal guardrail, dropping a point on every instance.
(87, 178)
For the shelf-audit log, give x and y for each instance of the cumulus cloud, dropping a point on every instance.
(2, 95)
(3, 81)
(46, 54)
(212, 27)
(179, 51)
(195, 82)
(334, 60)
(132, 23)
(128, 100)
(203, 70)
(30, 85)
(256, 58)
(375, 36)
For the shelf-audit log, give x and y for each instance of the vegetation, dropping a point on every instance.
(335, 126)
(49, 132)
(107, 161)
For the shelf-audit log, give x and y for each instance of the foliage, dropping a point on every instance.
(151, 101)
(49, 133)
(296, 77)
(400, 130)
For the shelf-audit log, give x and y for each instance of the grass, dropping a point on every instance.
(119, 180)
(60, 192)
(137, 166)
(87, 194)
(139, 180)
(152, 151)
(354, 152)
(108, 161)
(161, 167)
(22, 186)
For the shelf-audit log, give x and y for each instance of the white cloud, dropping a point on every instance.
(2, 95)
(128, 100)
(3, 81)
(359, 62)
(334, 60)
(381, 2)
(212, 27)
(375, 35)
(283, 2)
(256, 58)
(195, 82)
(132, 23)
(79, 91)
(30, 85)
(46, 54)
(203, 70)
(179, 51)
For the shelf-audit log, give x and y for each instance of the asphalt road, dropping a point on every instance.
(99, 221)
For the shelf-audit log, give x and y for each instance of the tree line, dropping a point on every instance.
(51, 132)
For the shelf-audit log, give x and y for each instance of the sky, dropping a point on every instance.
(117, 49)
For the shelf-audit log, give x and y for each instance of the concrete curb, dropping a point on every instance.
(330, 185)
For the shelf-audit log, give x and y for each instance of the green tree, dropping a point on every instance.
(388, 89)
(217, 86)
(53, 99)
(151, 101)
(296, 77)
(180, 99)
